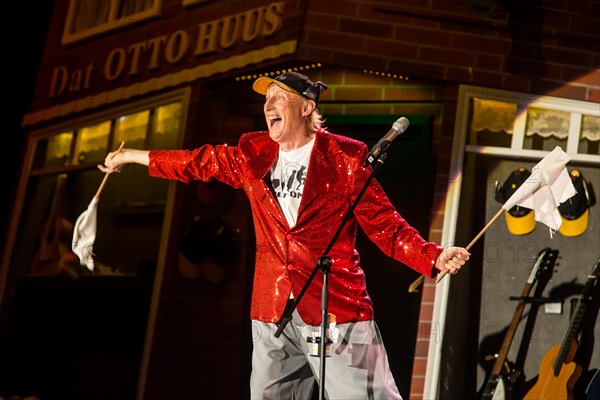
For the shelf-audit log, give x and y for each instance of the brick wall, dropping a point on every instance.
(541, 47)
(544, 47)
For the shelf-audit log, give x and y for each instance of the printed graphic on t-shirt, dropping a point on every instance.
(290, 181)
(288, 176)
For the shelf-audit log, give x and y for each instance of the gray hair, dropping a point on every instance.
(316, 120)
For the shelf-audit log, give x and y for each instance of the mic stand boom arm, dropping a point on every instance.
(324, 264)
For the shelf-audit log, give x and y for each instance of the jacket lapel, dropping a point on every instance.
(320, 170)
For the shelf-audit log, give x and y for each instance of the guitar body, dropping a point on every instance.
(553, 387)
(501, 380)
(558, 371)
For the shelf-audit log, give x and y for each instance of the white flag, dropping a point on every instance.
(84, 235)
(84, 231)
(547, 187)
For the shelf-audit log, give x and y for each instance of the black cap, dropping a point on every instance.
(574, 212)
(519, 220)
(292, 82)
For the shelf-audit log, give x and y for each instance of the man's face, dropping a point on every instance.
(284, 115)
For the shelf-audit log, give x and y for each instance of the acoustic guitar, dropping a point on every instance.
(558, 371)
(499, 382)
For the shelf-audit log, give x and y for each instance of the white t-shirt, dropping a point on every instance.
(288, 175)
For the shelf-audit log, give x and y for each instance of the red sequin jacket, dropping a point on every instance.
(285, 257)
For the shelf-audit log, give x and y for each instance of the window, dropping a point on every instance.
(64, 179)
(518, 124)
(89, 18)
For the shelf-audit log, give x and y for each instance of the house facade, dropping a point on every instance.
(487, 88)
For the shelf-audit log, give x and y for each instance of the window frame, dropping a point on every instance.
(459, 149)
(27, 171)
(577, 108)
(70, 37)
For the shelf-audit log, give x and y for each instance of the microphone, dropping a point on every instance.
(381, 146)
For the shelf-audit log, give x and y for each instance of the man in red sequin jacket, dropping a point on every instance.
(301, 180)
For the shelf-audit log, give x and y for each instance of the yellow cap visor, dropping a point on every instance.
(261, 85)
(574, 227)
(521, 225)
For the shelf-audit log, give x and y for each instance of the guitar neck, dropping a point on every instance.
(569, 337)
(510, 334)
(576, 319)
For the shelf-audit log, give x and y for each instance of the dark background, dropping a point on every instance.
(23, 53)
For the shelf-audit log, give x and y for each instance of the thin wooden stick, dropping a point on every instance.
(107, 174)
(485, 228)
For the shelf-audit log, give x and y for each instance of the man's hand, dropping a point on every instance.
(451, 259)
(116, 160)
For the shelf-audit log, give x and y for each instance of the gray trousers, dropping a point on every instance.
(356, 369)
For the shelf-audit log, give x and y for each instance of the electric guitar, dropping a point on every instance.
(498, 385)
(558, 371)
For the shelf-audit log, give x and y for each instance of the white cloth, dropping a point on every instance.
(547, 187)
(288, 175)
(84, 235)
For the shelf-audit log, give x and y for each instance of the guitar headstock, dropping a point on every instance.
(544, 266)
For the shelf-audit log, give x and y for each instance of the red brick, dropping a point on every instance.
(362, 61)
(584, 25)
(460, 75)
(594, 10)
(426, 312)
(486, 61)
(365, 28)
(334, 40)
(437, 220)
(481, 45)
(326, 22)
(331, 75)
(369, 109)
(359, 94)
(563, 56)
(527, 67)
(581, 7)
(593, 95)
(447, 56)
(417, 108)
(414, 69)
(581, 76)
(324, 56)
(411, 93)
(518, 83)
(331, 109)
(558, 89)
(335, 7)
(408, 34)
(392, 48)
(419, 367)
(428, 295)
(385, 14)
(555, 20)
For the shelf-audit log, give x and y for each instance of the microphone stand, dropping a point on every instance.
(324, 264)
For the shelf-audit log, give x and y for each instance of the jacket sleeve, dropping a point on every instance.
(387, 228)
(220, 162)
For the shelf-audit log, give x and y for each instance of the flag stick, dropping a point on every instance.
(107, 174)
(485, 228)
